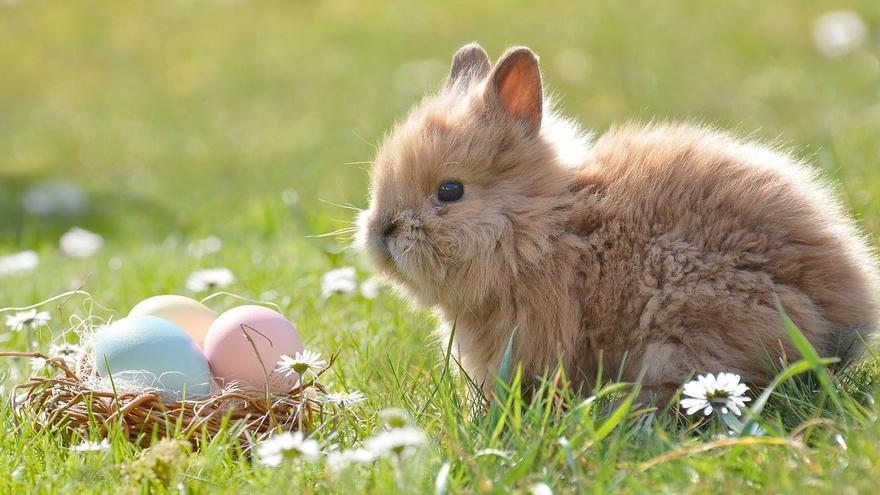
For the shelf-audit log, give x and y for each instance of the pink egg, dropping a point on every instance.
(234, 357)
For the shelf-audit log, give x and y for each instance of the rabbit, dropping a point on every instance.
(651, 253)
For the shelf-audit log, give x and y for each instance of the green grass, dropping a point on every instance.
(182, 119)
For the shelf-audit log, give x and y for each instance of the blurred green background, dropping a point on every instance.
(250, 120)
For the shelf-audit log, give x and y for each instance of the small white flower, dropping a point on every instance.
(203, 247)
(25, 319)
(370, 287)
(290, 197)
(70, 353)
(337, 461)
(80, 243)
(394, 417)
(287, 446)
(115, 263)
(397, 441)
(18, 263)
(838, 32)
(89, 446)
(344, 399)
(339, 281)
(541, 489)
(210, 279)
(301, 363)
(710, 393)
(38, 363)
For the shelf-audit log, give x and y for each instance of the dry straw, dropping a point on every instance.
(75, 400)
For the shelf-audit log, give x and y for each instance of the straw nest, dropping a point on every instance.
(74, 400)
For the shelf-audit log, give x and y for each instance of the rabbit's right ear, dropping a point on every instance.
(470, 64)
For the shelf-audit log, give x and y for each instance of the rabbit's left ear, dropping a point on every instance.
(515, 85)
(470, 63)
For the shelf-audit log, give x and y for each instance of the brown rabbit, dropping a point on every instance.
(659, 251)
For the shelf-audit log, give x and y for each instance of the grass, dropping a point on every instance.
(253, 121)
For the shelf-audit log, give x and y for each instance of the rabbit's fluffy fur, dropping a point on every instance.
(656, 253)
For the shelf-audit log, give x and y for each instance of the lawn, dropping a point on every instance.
(160, 124)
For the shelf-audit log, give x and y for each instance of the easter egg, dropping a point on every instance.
(190, 315)
(154, 353)
(245, 344)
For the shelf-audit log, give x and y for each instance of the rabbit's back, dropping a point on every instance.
(695, 235)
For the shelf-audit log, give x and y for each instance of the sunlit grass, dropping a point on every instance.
(256, 121)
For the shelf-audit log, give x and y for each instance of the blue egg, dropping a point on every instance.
(154, 353)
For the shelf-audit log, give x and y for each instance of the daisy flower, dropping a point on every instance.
(15, 264)
(38, 363)
(204, 247)
(70, 353)
(80, 243)
(710, 393)
(370, 287)
(301, 363)
(210, 279)
(338, 281)
(344, 399)
(839, 32)
(28, 319)
(337, 461)
(89, 446)
(541, 489)
(397, 441)
(287, 446)
(394, 417)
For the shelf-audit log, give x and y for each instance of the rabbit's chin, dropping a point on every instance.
(418, 284)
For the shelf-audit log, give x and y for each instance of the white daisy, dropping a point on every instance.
(18, 263)
(344, 399)
(28, 319)
(710, 393)
(838, 32)
(397, 441)
(370, 287)
(38, 363)
(70, 353)
(89, 446)
(80, 243)
(203, 247)
(339, 281)
(541, 489)
(287, 446)
(209, 279)
(394, 417)
(301, 363)
(337, 461)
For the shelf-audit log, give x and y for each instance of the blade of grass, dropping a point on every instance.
(811, 356)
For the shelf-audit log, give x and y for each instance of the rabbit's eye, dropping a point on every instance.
(450, 191)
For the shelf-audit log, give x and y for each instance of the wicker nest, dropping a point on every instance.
(68, 400)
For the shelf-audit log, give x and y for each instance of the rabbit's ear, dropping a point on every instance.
(470, 63)
(515, 85)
